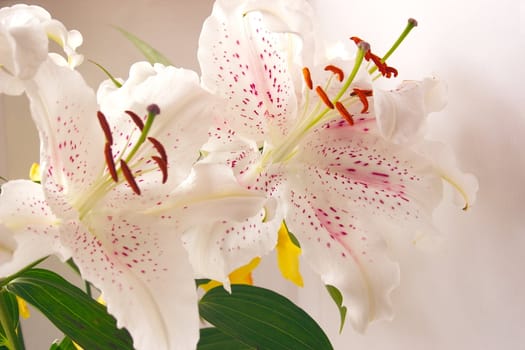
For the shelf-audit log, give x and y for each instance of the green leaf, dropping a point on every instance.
(65, 344)
(78, 316)
(115, 82)
(338, 299)
(11, 335)
(151, 54)
(262, 319)
(214, 339)
(200, 281)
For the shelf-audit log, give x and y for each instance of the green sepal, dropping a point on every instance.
(262, 319)
(77, 315)
(213, 339)
(338, 299)
(151, 54)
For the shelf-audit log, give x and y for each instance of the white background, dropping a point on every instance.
(468, 294)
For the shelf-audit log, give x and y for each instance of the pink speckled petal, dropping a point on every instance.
(244, 63)
(394, 185)
(345, 254)
(142, 269)
(64, 110)
(28, 228)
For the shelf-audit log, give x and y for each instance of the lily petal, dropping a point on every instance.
(401, 113)
(144, 274)
(28, 228)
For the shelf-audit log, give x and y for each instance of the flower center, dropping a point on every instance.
(125, 166)
(327, 108)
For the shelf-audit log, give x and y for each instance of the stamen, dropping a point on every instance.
(136, 119)
(163, 166)
(344, 112)
(129, 177)
(324, 97)
(362, 94)
(307, 78)
(105, 127)
(336, 70)
(380, 64)
(110, 162)
(160, 148)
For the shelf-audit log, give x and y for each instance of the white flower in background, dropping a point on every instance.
(25, 32)
(337, 153)
(118, 189)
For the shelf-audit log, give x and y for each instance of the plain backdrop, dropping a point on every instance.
(466, 294)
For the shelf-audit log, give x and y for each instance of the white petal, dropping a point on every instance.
(243, 61)
(218, 248)
(63, 108)
(212, 193)
(443, 159)
(142, 269)
(28, 228)
(401, 113)
(337, 245)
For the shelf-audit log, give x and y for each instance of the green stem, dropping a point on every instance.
(12, 340)
(143, 135)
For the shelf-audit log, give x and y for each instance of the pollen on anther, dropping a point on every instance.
(163, 166)
(336, 70)
(324, 97)
(160, 148)
(362, 94)
(344, 112)
(105, 127)
(129, 177)
(136, 119)
(110, 162)
(307, 78)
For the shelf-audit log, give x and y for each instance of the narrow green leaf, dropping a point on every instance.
(338, 299)
(262, 319)
(81, 318)
(214, 339)
(151, 54)
(117, 83)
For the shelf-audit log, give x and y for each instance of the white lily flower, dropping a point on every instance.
(315, 140)
(25, 32)
(116, 193)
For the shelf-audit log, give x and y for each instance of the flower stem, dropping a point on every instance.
(12, 340)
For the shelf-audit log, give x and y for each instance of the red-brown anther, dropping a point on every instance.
(307, 78)
(110, 162)
(324, 97)
(160, 148)
(344, 112)
(129, 177)
(136, 119)
(362, 94)
(336, 70)
(163, 166)
(105, 127)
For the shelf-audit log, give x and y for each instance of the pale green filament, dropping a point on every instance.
(411, 24)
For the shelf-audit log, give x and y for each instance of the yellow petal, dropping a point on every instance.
(288, 256)
(242, 275)
(34, 173)
(22, 308)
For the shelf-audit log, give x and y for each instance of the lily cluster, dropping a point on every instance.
(168, 176)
